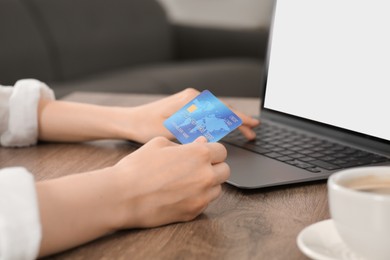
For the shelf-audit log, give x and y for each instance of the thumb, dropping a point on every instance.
(201, 139)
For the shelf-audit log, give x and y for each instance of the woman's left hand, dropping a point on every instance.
(145, 122)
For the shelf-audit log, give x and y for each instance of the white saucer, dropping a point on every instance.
(321, 241)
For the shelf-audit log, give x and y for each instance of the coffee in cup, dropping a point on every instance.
(359, 201)
(369, 183)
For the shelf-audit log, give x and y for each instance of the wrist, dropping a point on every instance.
(128, 200)
(67, 121)
(122, 123)
(78, 208)
(114, 208)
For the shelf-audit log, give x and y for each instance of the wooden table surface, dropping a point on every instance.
(240, 224)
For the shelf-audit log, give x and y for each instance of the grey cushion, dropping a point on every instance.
(235, 77)
(95, 36)
(196, 42)
(23, 52)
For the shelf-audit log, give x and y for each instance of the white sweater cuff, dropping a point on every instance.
(20, 228)
(22, 127)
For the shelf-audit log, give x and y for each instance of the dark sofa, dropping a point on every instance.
(124, 46)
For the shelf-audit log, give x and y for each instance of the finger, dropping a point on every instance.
(214, 192)
(186, 95)
(218, 152)
(222, 173)
(168, 134)
(161, 141)
(189, 93)
(177, 100)
(247, 120)
(248, 123)
(247, 132)
(201, 139)
(163, 131)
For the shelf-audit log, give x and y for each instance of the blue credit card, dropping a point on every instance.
(204, 115)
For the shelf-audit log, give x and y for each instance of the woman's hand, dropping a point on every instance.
(147, 120)
(163, 182)
(160, 183)
(76, 122)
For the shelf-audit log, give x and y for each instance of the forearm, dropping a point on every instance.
(77, 209)
(73, 122)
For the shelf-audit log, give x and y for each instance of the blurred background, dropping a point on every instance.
(220, 13)
(136, 46)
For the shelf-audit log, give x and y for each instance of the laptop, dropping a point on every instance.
(326, 95)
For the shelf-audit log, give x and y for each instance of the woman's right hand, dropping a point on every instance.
(160, 183)
(164, 182)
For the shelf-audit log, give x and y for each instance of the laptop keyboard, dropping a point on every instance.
(302, 151)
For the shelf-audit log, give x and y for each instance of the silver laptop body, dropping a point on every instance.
(327, 79)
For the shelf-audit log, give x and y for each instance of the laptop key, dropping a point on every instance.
(361, 154)
(269, 146)
(317, 155)
(378, 159)
(307, 159)
(305, 152)
(297, 155)
(349, 164)
(340, 155)
(296, 149)
(284, 158)
(349, 151)
(314, 169)
(286, 152)
(300, 164)
(273, 155)
(287, 145)
(328, 158)
(277, 149)
(339, 162)
(318, 149)
(328, 152)
(325, 165)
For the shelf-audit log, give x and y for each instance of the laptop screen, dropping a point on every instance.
(329, 61)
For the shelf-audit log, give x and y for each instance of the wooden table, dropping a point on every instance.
(240, 224)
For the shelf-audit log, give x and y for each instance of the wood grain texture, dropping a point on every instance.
(240, 224)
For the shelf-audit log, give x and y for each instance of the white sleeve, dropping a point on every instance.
(20, 228)
(19, 112)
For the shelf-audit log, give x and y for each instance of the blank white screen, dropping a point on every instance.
(330, 62)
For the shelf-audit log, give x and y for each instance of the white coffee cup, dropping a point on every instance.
(361, 212)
